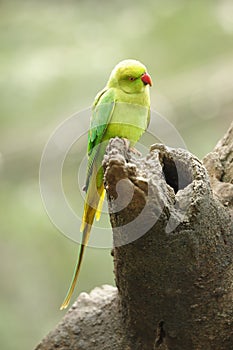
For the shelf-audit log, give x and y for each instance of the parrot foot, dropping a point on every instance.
(135, 151)
(131, 149)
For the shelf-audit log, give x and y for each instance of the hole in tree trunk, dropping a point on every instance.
(176, 173)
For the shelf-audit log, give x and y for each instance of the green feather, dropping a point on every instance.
(101, 114)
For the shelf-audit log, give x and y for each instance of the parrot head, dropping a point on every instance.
(130, 76)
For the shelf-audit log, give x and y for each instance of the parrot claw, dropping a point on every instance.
(126, 142)
(131, 149)
(135, 151)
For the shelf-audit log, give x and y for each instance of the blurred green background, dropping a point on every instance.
(54, 57)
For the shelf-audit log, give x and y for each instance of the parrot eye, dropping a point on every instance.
(132, 78)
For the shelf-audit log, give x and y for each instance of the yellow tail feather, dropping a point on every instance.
(87, 221)
(86, 234)
(100, 205)
(74, 279)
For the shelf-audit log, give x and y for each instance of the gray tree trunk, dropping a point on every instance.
(173, 256)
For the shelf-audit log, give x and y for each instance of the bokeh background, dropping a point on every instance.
(54, 57)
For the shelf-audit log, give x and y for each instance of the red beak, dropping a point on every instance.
(146, 79)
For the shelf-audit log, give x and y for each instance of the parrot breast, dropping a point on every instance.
(128, 121)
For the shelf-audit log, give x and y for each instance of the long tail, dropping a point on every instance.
(88, 217)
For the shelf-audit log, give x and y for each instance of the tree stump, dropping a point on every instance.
(173, 256)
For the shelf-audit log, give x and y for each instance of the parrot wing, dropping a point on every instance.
(103, 108)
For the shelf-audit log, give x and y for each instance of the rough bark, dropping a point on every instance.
(173, 256)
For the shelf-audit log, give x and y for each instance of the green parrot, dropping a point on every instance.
(121, 109)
